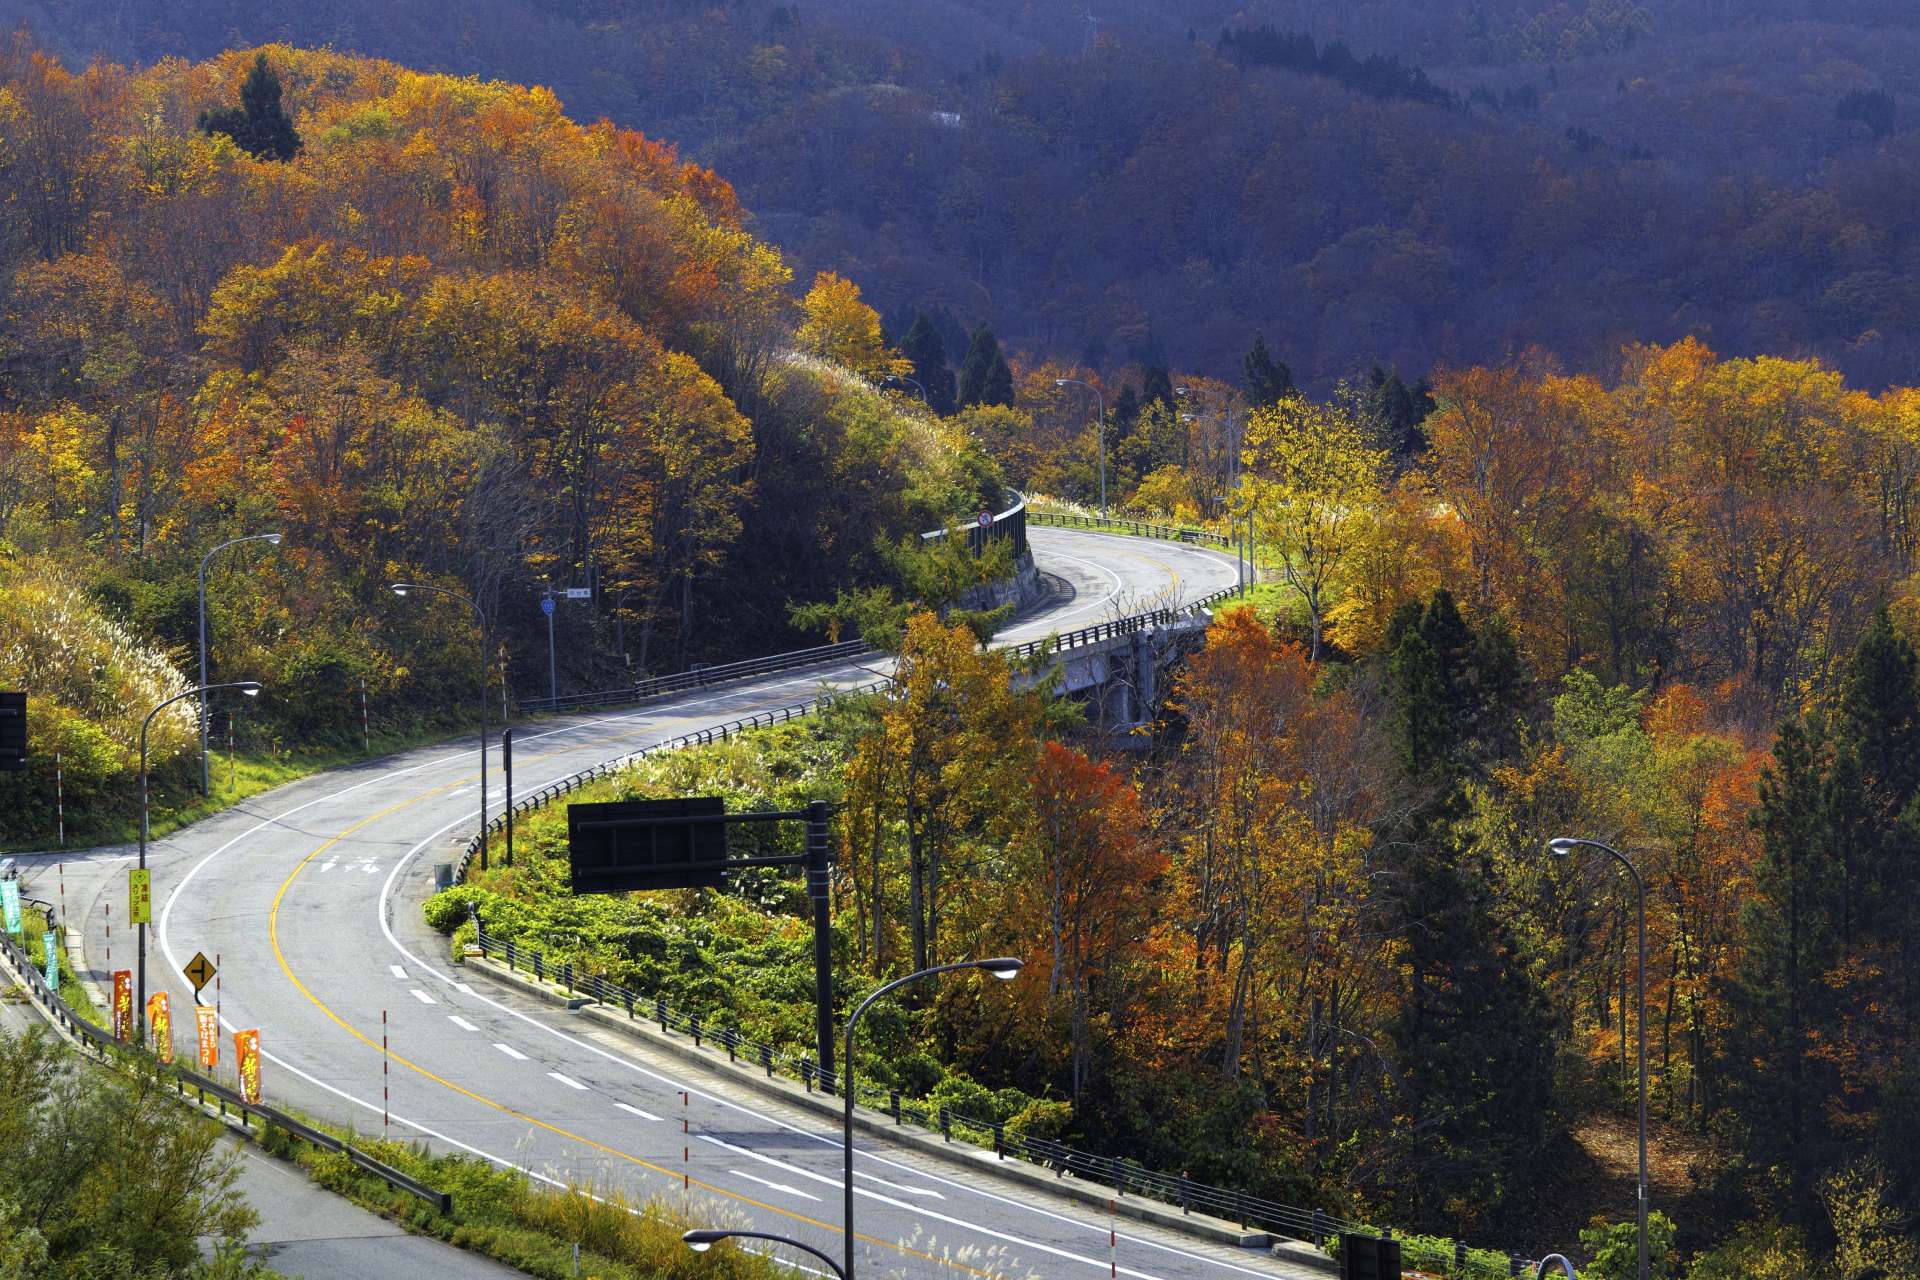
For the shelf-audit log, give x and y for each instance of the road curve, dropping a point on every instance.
(310, 897)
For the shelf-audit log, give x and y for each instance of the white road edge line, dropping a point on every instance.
(174, 897)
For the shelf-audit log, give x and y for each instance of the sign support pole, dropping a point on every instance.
(819, 862)
(506, 767)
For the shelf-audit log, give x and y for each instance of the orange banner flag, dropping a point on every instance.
(246, 1048)
(160, 1018)
(207, 1022)
(123, 1004)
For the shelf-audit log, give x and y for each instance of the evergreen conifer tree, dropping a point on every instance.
(978, 381)
(1156, 384)
(1480, 1099)
(924, 347)
(259, 126)
(1268, 381)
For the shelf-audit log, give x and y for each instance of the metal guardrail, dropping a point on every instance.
(1125, 1177)
(105, 1048)
(700, 737)
(1138, 528)
(1010, 524)
(703, 677)
(1102, 631)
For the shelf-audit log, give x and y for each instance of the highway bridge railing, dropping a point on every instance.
(1138, 528)
(101, 1045)
(704, 677)
(1005, 526)
(1131, 625)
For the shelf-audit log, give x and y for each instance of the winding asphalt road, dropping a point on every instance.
(310, 896)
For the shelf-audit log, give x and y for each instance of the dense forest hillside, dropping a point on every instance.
(1103, 183)
(425, 328)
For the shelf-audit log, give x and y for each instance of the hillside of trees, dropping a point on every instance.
(427, 329)
(1593, 171)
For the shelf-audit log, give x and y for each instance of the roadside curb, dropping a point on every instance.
(924, 1141)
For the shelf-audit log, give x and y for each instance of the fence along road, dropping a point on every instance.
(310, 896)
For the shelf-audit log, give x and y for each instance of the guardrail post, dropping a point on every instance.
(1319, 1228)
(693, 1022)
(512, 957)
(1117, 1175)
(999, 1141)
(1186, 1196)
(766, 1060)
(727, 1037)
(806, 1073)
(660, 1011)
(626, 998)
(893, 1100)
(946, 1124)
(566, 973)
(539, 966)
(1514, 1265)
(1459, 1255)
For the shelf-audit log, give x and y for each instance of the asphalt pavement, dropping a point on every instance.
(310, 898)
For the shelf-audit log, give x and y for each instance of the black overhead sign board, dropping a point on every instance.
(647, 844)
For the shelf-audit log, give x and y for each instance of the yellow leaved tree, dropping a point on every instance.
(1311, 482)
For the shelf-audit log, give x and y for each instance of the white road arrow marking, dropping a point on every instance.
(777, 1186)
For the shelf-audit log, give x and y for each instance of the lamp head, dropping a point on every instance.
(250, 687)
(702, 1239)
(1060, 382)
(401, 588)
(274, 538)
(1005, 968)
(1562, 846)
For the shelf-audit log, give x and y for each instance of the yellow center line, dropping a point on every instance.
(273, 934)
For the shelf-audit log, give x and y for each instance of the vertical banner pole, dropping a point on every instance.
(366, 735)
(60, 798)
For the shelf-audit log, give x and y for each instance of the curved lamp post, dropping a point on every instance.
(912, 382)
(1540, 1269)
(248, 687)
(1102, 424)
(703, 1239)
(1002, 967)
(403, 588)
(1564, 846)
(206, 774)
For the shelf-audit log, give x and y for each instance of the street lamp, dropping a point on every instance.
(206, 776)
(912, 382)
(401, 589)
(1061, 382)
(1563, 846)
(703, 1239)
(248, 687)
(1003, 967)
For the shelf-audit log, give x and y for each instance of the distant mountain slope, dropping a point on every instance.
(1100, 186)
